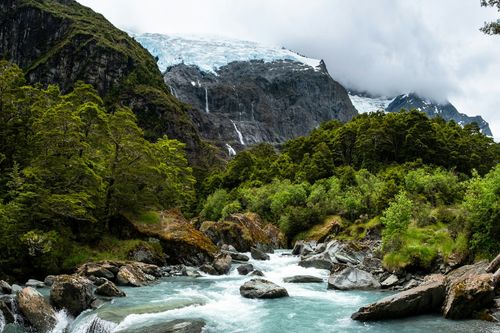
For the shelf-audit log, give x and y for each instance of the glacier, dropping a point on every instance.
(209, 53)
(370, 104)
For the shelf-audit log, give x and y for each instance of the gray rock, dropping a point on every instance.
(72, 292)
(7, 313)
(297, 248)
(209, 269)
(258, 254)
(100, 272)
(426, 298)
(411, 284)
(318, 262)
(191, 272)
(5, 288)
(237, 256)
(303, 279)
(494, 265)
(222, 263)
(35, 283)
(99, 281)
(175, 326)
(16, 288)
(390, 281)
(245, 269)
(257, 273)
(36, 309)
(109, 289)
(49, 280)
(352, 278)
(131, 275)
(260, 288)
(228, 247)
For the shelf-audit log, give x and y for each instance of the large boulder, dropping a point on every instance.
(243, 231)
(5, 288)
(237, 256)
(73, 293)
(222, 263)
(303, 279)
(467, 295)
(37, 310)
(351, 278)
(181, 241)
(35, 283)
(258, 254)
(260, 288)
(209, 269)
(174, 326)
(131, 275)
(109, 289)
(426, 298)
(319, 261)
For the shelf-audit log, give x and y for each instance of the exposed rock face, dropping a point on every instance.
(243, 231)
(425, 298)
(303, 279)
(109, 289)
(180, 240)
(468, 294)
(130, 275)
(245, 269)
(222, 263)
(249, 102)
(72, 292)
(260, 288)
(352, 278)
(258, 254)
(144, 254)
(36, 309)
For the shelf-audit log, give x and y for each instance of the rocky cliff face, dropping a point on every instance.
(61, 42)
(244, 93)
(444, 110)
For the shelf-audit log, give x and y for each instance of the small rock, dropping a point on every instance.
(109, 289)
(36, 309)
(260, 288)
(49, 280)
(191, 272)
(411, 284)
(209, 269)
(258, 254)
(245, 269)
(229, 248)
(35, 283)
(316, 262)
(257, 273)
(237, 256)
(303, 279)
(297, 248)
(222, 263)
(174, 326)
(5, 288)
(390, 281)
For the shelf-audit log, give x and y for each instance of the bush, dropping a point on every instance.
(396, 219)
(213, 207)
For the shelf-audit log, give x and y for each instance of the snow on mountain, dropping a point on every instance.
(366, 104)
(211, 53)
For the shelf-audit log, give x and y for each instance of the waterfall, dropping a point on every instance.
(206, 101)
(62, 322)
(231, 150)
(253, 117)
(172, 91)
(240, 136)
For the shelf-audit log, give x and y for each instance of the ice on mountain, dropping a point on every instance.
(212, 53)
(370, 104)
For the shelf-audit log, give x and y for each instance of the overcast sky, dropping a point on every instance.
(432, 47)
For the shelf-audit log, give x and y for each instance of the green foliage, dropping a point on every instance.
(215, 204)
(396, 219)
(491, 28)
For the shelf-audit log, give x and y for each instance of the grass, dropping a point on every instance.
(320, 231)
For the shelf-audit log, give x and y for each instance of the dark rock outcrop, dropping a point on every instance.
(209, 269)
(237, 256)
(494, 265)
(303, 279)
(258, 254)
(426, 298)
(260, 288)
(36, 309)
(5, 288)
(131, 275)
(245, 269)
(73, 293)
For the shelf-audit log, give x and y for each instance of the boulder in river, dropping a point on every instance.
(391, 281)
(257, 273)
(245, 269)
(467, 295)
(222, 263)
(36, 309)
(303, 279)
(260, 288)
(209, 269)
(73, 293)
(426, 298)
(5, 288)
(131, 275)
(258, 254)
(174, 326)
(35, 283)
(351, 278)
(109, 289)
(319, 261)
(237, 256)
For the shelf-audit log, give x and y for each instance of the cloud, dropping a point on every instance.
(385, 47)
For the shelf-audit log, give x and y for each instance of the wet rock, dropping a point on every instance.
(297, 248)
(245, 269)
(73, 293)
(100, 269)
(222, 263)
(145, 254)
(191, 272)
(131, 275)
(468, 294)
(36, 309)
(100, 326)
(260, 288)
(391, 281)
(320, 261)
(35, 283)
(100, 272)
(237, 256)
(351, 278)
(7, 313)
(257, 273)
(496, 278)
(109, 289)
(209, 269)
(49, 280)
(258, 254)
(16, 288)
(174, 326)
(494, 265)
(99, 281)
(426, 298)
(229, 248)
(303, 279)
(5, 288)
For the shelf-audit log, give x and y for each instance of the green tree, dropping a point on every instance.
(491, 28)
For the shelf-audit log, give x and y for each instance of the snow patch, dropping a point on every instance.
(369, 104)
